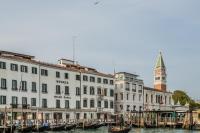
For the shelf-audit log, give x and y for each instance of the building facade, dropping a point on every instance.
(53, 91)
(128, 93)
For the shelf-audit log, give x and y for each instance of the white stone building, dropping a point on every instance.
(56, 91)
(128, 93)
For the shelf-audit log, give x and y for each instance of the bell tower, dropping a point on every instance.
(160, 76)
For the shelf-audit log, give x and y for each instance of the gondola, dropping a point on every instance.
(89, 126)
(39, 128)
(69, 127)
(117, 129)
(24, 129)
(7, 129)
(58, 127)
(98, 125)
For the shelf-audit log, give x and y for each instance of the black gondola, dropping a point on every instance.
(117, 129)
(89, 126)
(39, 128)
(24, 129)
(69, 127)
(7, 129)
(58, 127)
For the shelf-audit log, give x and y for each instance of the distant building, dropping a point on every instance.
(128, 93)
(58, 91)
(160, 76)
(158, 98)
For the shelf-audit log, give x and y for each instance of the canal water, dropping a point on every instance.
(134, 130)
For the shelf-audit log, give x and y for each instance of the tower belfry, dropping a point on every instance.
(160, 76)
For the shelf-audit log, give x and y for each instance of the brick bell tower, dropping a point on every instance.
(160, 76)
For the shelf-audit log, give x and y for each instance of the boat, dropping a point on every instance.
(24, 129)
(196, 127)
(117, 129)
(58, 127)
(89, 126)
(7, 129)
(39, 128)
(69, 127)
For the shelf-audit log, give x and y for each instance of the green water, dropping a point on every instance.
(134, 130)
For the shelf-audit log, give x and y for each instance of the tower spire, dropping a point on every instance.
(160, 74)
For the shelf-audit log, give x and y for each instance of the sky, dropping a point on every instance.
(125, 35)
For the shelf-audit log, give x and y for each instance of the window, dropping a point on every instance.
(116, 97)
(105, 92)
(92, 92)
(66, 76)
(85, 78)
(99, 91)
(98, 80)
(85, 103)
(157, 78)
(24, 86)
(13, 67)
(34, 70)
(78, 106)
(92, 79)
(66, 90)
(165, 99)
(44, 88)
(151, 98)
(85, 116)
(127, 96)
(44, 72)
(111, 104)
(146, 98)
(133, 97)
(57, 103)
(99, 104)
(14, 84)
(2, 65)
(105, 81)
(44, 103)
(121, 94)
(14, 100)
(78, 77)
(111, 82)
(24, 68)
(127, 107)
(134, 87)
(3, 84)
(105, 104)
(67, 104)
(57, 74)
(34, 87)
(58, 89)
(78, 91)
(127, 86)
(33, 101)
(169, 100)
(2, 100)
(92, 103)
(84, 89)
(111, 92)
(24, 100)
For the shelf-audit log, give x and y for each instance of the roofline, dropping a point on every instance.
(57, 66)
(153, 89)
(127, 73)
(17, 54)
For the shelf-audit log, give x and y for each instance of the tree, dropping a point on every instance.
(181, 96)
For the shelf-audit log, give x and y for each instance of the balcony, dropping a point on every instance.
(99, 109)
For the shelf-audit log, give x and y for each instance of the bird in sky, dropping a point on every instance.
(97, 2)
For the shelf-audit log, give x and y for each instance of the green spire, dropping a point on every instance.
(160, 62)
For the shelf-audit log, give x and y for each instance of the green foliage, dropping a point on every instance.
(181, 96)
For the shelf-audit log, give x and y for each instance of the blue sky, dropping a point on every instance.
(125, 34)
